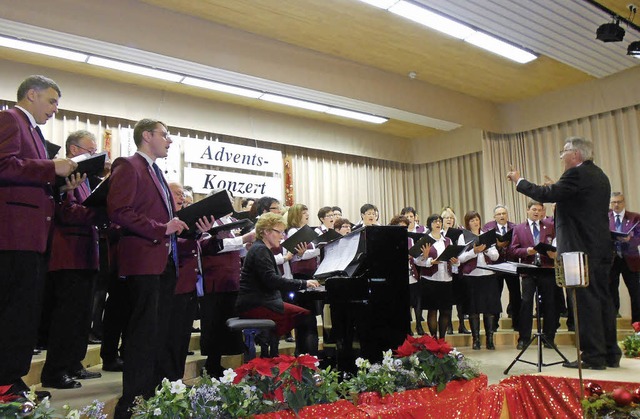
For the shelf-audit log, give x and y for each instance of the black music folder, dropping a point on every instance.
(487, 238)
(453, 234)
(52, 149)
(506, 237)
(98, 197)
(415, 236)
(304, 235)
(453, 251)
(543, 248)
(244, 226)
(416, 249)
(243, 215)
(327, 237)
(620, 234)
(91, 165)
(217, 204)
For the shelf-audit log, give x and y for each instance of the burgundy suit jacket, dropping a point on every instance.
(630, 248)
(136, 202)
(523, 239)
(75, 236)
(26, 175)
(504, 252)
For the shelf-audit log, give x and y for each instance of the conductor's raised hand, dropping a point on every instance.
(176, 225)
(514, 174)
(64, 167)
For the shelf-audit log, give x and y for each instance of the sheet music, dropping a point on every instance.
(339, 254)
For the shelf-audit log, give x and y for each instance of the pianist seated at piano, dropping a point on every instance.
(260, 285)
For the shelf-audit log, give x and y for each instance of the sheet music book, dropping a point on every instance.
(338, 255)
(98, 197)
(543, 248)
(91, 165)
(416, 236)
(327, 237)
(416, 250)
(487, 238)
(304, 235)
(52, 149)
(453, 234)
(243, 215)
(453, 251)
(234, 225)
(506, 237)
(218, 204)
(621, 235)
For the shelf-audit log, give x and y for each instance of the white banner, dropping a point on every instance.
(215, 153)
(204, 181)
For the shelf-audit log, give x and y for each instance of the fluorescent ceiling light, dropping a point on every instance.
(383, 4)
(357, 115)
(135, 69)
(42, 49)
(499, 47)
(221, 87)
(294, 102)
(432, 20)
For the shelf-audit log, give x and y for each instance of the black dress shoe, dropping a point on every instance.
(94, 340)
(463, 330)
(37, 351)
(520, 345)
(549, 345)
(585, 365)
(63, 382)
(84, 374)
(20, 389)
(113, 365)
(613, 364)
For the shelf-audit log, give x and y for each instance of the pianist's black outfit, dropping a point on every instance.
(259, 296)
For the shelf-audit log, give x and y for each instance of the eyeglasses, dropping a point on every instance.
(91, 152)
(281, 232)
(163, 134)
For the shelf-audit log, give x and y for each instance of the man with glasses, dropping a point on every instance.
(626, 260)
(140, 202)
(73, 264)
(582, 202)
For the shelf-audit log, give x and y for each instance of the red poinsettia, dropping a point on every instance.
(406, 349)
(260, 366)
(411, 345)
(636, 327)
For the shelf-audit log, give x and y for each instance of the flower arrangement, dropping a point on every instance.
(260, 386)
(418, 362)
(32, 408)
(631, 344)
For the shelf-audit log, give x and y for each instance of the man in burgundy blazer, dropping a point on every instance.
(626, 259)
(140, 202)
(73, 264)
(521, 247)
(26, 210)
(502, 225)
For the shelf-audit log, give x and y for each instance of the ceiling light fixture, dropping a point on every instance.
(444, 24)
(221, 87)
(610, 32)
(135, 69)
(297, 103)
(634, 49)
(42, 49)
(357, 115)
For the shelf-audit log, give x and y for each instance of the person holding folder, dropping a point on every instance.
(483, 293)
(435, 274)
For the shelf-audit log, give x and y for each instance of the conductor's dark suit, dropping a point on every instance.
(26, 210)
(137, 202)
(582, 203)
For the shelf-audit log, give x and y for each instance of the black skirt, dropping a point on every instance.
(436, 295)
(483, 294)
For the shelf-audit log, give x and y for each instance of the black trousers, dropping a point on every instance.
(99, 292)
(117, 311)
(631, 280)
(21, 286)
(216, 338)
(597, 317)
(174, 353)
(151, 298)
(546, 286)
(70, 321)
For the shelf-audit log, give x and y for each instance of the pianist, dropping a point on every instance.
(260, 284)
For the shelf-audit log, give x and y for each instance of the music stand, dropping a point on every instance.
(525, 269)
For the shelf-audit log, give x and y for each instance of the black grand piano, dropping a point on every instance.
(367, 287)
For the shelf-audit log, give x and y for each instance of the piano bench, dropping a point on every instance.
(250, 328)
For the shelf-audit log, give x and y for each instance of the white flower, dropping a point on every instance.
(387, 363)
(157, 412)
(414, 360)
(362, 363)
(73, 414)
(177, 387)
(397, 363)
(387, 354)
(228, 376)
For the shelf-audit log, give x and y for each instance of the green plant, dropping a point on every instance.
(631, 344)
